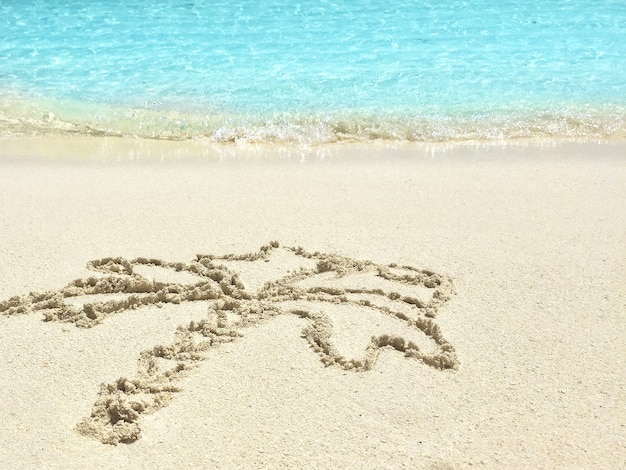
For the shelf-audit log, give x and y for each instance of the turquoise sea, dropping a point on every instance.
(314, 71)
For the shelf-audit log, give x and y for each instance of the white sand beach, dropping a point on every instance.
(531, 238)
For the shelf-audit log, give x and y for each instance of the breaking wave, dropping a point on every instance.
(19, 117)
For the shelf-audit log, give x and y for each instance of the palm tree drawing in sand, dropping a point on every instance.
(323, 287)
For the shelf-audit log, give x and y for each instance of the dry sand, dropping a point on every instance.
(451, 306)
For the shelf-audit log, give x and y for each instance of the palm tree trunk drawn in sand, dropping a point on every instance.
(334, 279)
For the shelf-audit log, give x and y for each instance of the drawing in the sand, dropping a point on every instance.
(405, 294)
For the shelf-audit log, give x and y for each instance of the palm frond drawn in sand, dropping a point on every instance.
(332, 280)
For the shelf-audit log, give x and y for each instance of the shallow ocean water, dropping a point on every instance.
(314, 71)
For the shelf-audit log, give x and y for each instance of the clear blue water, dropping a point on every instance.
(314, 71)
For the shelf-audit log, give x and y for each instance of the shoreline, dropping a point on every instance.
(111, 149)
(532, 238)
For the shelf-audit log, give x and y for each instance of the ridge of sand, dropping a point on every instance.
(335, 280)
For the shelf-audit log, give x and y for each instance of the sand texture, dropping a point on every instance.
(367, 307)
